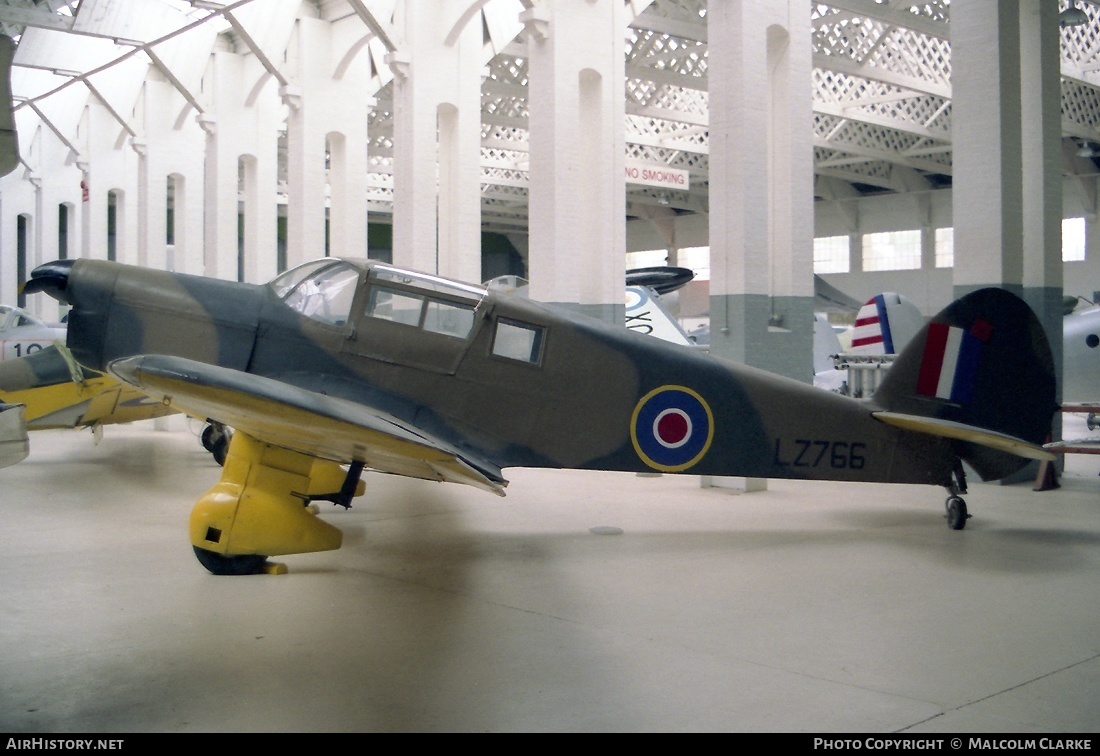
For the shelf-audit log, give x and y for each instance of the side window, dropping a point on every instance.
(395, 306)
(449, 318)
(518, 341)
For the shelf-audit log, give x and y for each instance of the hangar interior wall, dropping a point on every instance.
(258, 153)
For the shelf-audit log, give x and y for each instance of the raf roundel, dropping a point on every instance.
(671, 428)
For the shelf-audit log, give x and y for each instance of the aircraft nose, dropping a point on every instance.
(52, 278)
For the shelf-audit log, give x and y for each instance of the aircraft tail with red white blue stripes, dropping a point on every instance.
(885, 324)
(979, 373)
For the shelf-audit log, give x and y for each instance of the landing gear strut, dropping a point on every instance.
(261, 507)
(956, 506)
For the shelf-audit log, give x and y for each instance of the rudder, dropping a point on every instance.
(983, 363)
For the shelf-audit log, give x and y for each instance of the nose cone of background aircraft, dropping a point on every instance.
(51, 278)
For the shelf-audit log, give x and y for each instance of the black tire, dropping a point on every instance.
(221, 449)
(956, 513)
(209, 437)
(220, 564)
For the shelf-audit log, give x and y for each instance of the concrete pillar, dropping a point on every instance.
(109, 168)
(247, 121)
(1040, 66)
(327, 116)
(54, 180)
(1006, 116)
(987, 138)
(577, 194)
(761, 185)
(1007, 196)
(437, 140)
(169, 149)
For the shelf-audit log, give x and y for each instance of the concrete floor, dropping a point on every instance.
(808, 607)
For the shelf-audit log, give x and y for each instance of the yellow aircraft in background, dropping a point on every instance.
(58, 393)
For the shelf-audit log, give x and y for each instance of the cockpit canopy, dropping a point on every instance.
(324, 290)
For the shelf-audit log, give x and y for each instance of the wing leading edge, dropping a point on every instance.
(304, 421)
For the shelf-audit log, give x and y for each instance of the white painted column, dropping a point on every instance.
(986, 134)
(437, 140)
(169, 146)
(1006, 129)
(111, 166)
(247, 117)
(577, 194)
(1041, 133)
(328, 111)
(761, 184)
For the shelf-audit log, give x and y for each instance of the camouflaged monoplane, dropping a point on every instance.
(340, 366)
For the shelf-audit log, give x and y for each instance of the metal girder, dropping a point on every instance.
(35, 16)
(378, 27)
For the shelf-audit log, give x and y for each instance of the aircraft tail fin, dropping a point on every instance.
(980, 373)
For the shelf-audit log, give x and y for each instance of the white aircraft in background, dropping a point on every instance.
(1080, 379)
(1081, 356)
(21, 334)
(884, 325)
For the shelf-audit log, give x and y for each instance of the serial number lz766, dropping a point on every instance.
(815, 452)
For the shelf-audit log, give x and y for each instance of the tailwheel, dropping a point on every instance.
(956, 513)
(224, 564)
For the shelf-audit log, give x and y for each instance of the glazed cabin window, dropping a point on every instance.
(434, 315)
(322, 290)
(395, 306)
(518, 341)
(449, 318)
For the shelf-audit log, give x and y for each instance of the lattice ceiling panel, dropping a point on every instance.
(1081, 47)
(881, 93)
(874, 100)
(1081, 108)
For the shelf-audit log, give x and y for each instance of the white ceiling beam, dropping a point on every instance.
(110, 108)
(42, 19)
(894, 124)
(261, 56)
(74, 153)
(695, 31)
(877, 73)
(895, 13)
(378, 27)
(174, 81)
(856, 154)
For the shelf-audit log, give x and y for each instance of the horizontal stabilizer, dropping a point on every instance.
(1076, 446)
(950, 429)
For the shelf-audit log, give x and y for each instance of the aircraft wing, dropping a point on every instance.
(304, 421)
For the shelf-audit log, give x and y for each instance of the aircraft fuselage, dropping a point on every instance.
(512, 381)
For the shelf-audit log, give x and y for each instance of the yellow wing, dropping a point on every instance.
(304, 421)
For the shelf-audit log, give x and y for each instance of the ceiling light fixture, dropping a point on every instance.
(1072, 16)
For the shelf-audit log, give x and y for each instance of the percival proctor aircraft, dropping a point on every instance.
(354, 363)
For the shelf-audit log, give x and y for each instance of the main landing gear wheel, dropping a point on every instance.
(221, 564)
(956, 513)
(215, 439)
